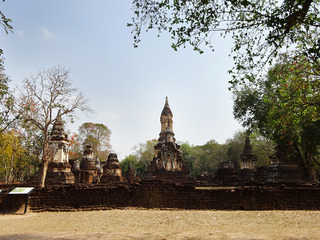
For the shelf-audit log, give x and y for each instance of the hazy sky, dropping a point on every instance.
(126, 86)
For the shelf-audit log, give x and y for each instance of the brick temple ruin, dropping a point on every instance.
(167, 162)
(90, 185)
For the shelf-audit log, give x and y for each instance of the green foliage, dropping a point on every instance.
(98, 136)
(7, 27)
(286, 105)
(259, 28)
(6, 101)
(203, 159)
(137, 165)
(11, 155)
(262, 147)
(144, 152)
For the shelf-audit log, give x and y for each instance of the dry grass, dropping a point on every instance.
(162, 224)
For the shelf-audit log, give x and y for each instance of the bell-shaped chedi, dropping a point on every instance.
(89, 173)
(167, 157)
(112, 170)
(88, 162)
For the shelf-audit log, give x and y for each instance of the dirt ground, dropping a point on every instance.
(162, 224)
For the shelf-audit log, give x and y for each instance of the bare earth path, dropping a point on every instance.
(162, 224)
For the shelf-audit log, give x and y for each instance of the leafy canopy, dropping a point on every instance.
(6, 101)
(260, 29)
(286, 100)
(284, 105)
(96, 135)
(7, 27)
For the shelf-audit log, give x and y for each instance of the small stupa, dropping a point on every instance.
(89, 172)
(112, 170)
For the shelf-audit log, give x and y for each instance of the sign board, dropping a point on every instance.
(22, 190)
(17, 198)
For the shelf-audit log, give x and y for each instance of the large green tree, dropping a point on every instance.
(284, 105)
(260, 29)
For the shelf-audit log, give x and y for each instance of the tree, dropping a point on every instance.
(6, 24)
(44, 98)
(138, 166)
(11, 151)
(262, 147)
(32, 142)
(141, 157)
(284, 105)
(260, 29)
(6, 101)
(144, 152)
(74, 147)
(207, 158)
(204, 158)
(98, 136)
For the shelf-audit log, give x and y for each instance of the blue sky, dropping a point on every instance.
(126, 86)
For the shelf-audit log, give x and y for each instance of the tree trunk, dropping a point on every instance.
(5, 171)
(44, 173)
(312, 174)
(10, 175)
(45, 162)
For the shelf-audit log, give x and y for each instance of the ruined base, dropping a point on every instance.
(58, 173)
(285, 173)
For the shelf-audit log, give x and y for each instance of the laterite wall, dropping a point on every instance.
(157, 194)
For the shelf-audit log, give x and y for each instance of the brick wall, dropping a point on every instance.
(157, 194)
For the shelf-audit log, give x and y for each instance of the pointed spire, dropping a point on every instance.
(247, 150)
(167, 103)
(57, 132)
(166, 110)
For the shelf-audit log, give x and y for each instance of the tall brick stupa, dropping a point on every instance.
(167, 162)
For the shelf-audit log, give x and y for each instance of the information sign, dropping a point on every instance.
(22, 190)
